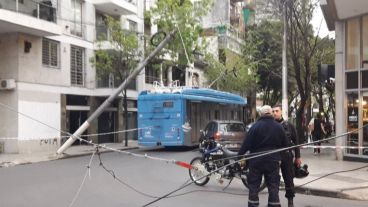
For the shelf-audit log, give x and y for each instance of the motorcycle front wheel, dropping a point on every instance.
(245, 181)
(198, 171)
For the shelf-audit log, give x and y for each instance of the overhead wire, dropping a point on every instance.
(245, 157)
(336, 172)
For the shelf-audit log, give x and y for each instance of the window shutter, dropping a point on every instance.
(77, 66)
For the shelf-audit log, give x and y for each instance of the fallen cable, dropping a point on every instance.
(183, 164)
(88, 172)
(342, 171)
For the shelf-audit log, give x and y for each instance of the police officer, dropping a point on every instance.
(265, 134)
(287, 167)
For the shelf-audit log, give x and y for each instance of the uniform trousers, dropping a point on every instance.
(271, 172)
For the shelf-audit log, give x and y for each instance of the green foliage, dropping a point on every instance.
(121, 57)
(184, 15)
(265, 41)
(236, 74)
(147, 18)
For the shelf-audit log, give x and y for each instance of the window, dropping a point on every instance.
(365, 122)
(50, 53)
(76, 24)
(133, 26)
(365, 79)
(77, 66)
(102, 32)
(352, 44)
(365, 42)
(352, 80)
(352, 121)
(168, 104)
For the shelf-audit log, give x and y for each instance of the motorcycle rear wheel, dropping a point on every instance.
(198, 171)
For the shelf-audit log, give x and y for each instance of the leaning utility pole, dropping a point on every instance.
(285, 108)
(117, 91)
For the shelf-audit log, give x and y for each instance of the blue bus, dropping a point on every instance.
(174, 117)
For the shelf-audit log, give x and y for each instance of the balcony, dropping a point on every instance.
(29, 17)
(116, 7)
(230, 38)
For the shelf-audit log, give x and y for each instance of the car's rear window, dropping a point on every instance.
(232, 127)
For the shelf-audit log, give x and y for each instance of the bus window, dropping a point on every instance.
(168, 104)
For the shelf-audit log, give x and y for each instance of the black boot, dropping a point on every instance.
(290, 202)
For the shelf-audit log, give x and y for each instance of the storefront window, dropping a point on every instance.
(365, 41)
(352, 121)
(365, 79)
(352, 44)
(365, 122)
(352, 80)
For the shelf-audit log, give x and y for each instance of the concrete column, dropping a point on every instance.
(339, 86)
(120, 121)
(169, 75)
(93, 128)
(63, 122)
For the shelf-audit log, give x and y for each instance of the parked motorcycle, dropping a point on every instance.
(214, 158)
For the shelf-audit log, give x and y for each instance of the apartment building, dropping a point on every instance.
(349, 20)
(48, 83)
(226, 25)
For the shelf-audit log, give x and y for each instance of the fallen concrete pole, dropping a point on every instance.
(117, 91)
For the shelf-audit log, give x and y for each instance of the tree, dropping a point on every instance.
(118, 60)
(185, 16)
(302, 49)
(236, 72)
(268, 34)
(325, 54)
(302, 45)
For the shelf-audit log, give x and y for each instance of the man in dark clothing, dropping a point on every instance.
(287, 166)
(318, 132)
(266, 134)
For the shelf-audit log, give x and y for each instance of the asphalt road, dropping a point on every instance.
(137, 181)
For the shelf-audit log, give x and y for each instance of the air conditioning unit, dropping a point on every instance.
(7, 84)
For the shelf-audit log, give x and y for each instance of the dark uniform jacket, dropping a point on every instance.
(266, 134)
(291, 135)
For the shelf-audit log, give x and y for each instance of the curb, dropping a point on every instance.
(323, 193)
(66, 155)
(52, 157)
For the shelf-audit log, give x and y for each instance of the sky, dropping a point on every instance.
(316, 22)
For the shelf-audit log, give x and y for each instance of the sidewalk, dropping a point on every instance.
(351, 185)
(8, 160)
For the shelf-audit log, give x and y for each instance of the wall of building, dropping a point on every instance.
(9, 56)
(41, 91)
(219, 14)
(9, 70)
(43, 107)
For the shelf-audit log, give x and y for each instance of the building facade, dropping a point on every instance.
(48, 83)
(349, 20)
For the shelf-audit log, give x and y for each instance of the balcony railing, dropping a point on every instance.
(102, 33)
(110, 81)
(45, 10)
